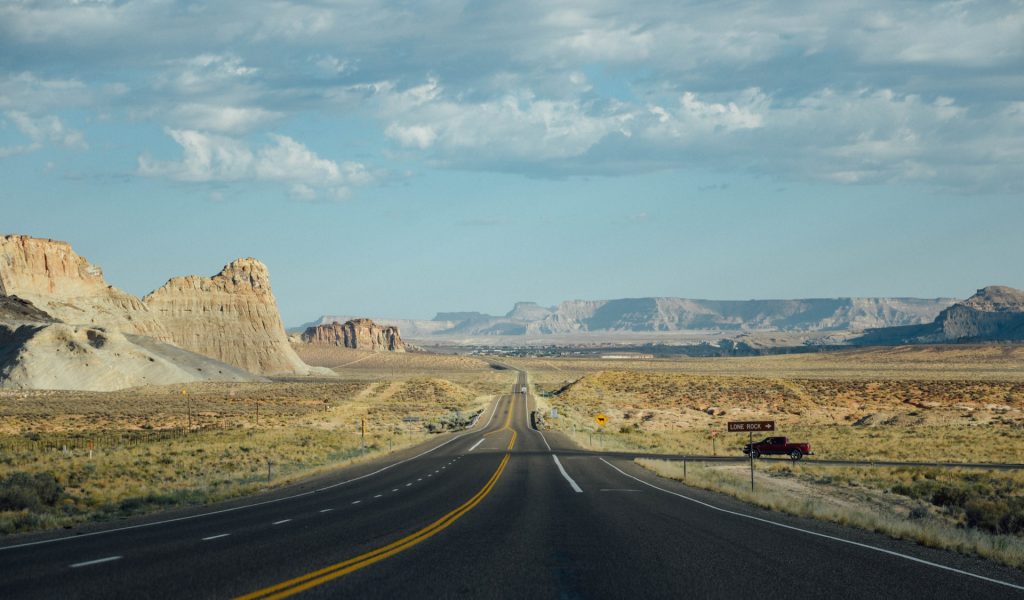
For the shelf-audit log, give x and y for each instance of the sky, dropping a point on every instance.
(397, 159)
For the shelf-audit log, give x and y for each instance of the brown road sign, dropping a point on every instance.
(745, 426)
(601, 419)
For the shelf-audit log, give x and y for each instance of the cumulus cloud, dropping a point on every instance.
(921, 90)
(517, 126)
(41, 130)
(208, 158)
(222, 119)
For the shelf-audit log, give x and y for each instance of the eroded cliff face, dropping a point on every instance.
(231, 316)
(50, 275)
(361, 334)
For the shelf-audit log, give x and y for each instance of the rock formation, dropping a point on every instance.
(231, 317)
(361, 334)
(679, 315)
(39, 352)
(50, 275)
(993, 314)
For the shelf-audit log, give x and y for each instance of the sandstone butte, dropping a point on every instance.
(362, 334)
(231, 317)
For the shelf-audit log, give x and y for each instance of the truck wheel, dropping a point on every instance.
(755, 454)
(796, 454)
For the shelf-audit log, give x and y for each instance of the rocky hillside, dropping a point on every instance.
(360, 334)
(40, 352)
(682, 314)
(50, 275)
(993, 314)
(231, 317)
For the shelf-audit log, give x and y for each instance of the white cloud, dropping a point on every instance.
(332, 65)
(695, 117)
(28, 92)
(517, 125)
(205, 73)
(223, 119)
(208, 157)
(42, 130)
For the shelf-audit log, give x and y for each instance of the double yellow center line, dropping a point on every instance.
(321, 576)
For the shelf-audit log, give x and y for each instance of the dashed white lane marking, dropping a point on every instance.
(254, 504)
(408, 484)
(821, 535)
(430, 474)
(281, 522)
(357, 502)
(561, 469)
(95, 562)
(378, 495)
(327, 510)
(419, 479)
(216, 537)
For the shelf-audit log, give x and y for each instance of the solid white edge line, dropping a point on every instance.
(561, 469)
(822, 535)
(96, 562)
(473, 447)
(244, 506)
(526, 410)
(220, 535)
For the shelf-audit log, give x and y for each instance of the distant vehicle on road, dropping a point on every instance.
(778, 445)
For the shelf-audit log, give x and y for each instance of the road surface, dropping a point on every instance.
(500, 511)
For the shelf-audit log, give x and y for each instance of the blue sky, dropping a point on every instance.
(399, 159)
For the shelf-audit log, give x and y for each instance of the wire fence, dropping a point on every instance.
(92, 441)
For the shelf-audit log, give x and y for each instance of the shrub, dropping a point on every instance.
(20, 491)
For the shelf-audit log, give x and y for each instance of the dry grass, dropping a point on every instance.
(950, 362)
(873, 419)
(846, 498)
(305, 425)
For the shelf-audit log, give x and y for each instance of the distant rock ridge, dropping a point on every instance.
(361, 334)
(992, 314)
(231, 317)
(679, 315)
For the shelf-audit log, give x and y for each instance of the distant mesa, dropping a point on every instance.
(667, 315)
(360, 334)
(225, 327)
(993, 314)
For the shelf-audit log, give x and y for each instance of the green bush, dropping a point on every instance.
(20, 491)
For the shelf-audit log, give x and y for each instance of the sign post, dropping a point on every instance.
(750, 427)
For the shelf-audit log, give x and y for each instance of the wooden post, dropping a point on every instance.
(751, 455)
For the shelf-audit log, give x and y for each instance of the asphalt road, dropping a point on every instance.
(501, 511)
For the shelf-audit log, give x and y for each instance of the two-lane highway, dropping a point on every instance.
(379, 509)
(501, 511)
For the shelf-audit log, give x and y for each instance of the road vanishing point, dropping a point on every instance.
(498, 511)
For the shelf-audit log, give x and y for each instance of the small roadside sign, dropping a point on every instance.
(601, 419)
(750, 427)
(745, 426)
(554, 413)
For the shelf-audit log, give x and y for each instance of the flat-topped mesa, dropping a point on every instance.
(361, 334)
(231, 316)
(50, 275)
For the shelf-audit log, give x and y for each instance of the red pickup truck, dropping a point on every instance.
(778, 445)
